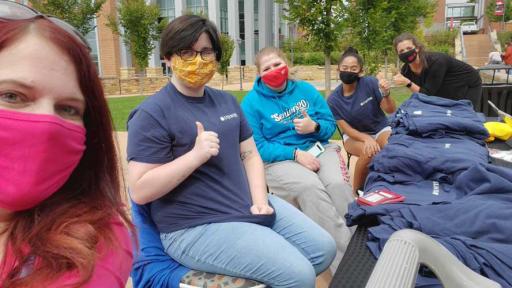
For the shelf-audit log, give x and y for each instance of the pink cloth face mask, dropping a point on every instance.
(276, 77)
(38, 153)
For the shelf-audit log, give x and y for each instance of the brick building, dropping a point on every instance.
(232, 17)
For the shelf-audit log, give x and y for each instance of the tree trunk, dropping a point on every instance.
(327, 74)
(398, 65)
(141, 85)
(386, 67)
(142, 75)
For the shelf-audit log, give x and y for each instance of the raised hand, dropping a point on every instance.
(207, 143)
(400, 80)
(384, 86)
(304, 125)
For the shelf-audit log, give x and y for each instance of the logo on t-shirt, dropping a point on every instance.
(435, 188)
(366, 101)
(291, 113)
(228, 117)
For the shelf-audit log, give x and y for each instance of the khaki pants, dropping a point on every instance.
(323, 196)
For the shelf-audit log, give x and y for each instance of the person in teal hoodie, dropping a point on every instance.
(292, 125)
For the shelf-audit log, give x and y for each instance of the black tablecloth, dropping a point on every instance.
(500, 145)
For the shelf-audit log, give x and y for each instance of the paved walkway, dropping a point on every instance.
(477, 48)
(246, 86)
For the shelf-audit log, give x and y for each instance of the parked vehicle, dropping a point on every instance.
(469, 28)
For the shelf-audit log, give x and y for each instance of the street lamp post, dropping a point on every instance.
(238, 42)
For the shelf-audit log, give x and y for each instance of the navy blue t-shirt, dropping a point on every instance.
(163, 128)
(361, 110)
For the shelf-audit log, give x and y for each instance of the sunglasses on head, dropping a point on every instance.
(10, 11)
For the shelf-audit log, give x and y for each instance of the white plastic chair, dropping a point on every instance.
(403, 253)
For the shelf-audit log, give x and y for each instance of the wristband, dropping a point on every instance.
(295, 154)
(317, 128)
(409, 84)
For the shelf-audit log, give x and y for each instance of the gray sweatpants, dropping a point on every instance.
(323, 196)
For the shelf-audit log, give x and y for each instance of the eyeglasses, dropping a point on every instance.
(189, 54)
(15, 11)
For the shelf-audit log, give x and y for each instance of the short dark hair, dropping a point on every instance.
(352, 52)
(184, 31)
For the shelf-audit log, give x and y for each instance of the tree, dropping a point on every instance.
(228, 45)
(321, 21)
(491, 9)
(141, 25)
(373, 24)
(79, 13)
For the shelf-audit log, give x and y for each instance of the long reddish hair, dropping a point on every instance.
(63, 232)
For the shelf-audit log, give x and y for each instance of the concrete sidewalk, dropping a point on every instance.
(246, 86)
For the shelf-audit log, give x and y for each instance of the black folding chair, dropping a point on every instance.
(343, 144)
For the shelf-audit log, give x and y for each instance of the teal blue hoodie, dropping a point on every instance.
(270, 115)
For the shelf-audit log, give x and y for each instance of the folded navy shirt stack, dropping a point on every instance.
(437, 158)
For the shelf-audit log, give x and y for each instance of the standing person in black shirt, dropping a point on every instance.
(435, 73)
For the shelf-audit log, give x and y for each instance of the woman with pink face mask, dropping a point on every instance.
(292, 125)
(193, 161)
(62, 219)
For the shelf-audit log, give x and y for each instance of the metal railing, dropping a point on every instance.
(496, 46)
(462, 47)
(496, 75)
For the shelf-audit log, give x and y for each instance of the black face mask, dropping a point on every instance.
(348, 77)
(409, 56)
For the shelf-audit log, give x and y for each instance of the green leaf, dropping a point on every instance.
(141, 25)
(78, 13)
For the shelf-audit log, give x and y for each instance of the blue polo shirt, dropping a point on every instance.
(163, 128)
(361, 110)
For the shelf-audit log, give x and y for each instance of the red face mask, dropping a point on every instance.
(276, 77)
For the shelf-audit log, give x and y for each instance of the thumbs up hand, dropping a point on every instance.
(384, 86)
(304, 125)
(207, 143)
(400, 80)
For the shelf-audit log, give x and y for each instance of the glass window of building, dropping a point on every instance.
(224, 16)
(92, 40)
(167, 9)
(468, 11)
(198, 7)
(282, 28)
(241, 21)
(273, 25)
(256, 27)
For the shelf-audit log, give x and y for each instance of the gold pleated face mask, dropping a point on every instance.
(196, 72)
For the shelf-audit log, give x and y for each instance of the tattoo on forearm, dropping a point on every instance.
(245, 154)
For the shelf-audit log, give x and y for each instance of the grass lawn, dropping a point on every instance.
(122, 106)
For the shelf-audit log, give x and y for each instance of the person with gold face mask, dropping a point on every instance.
(193, 161)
